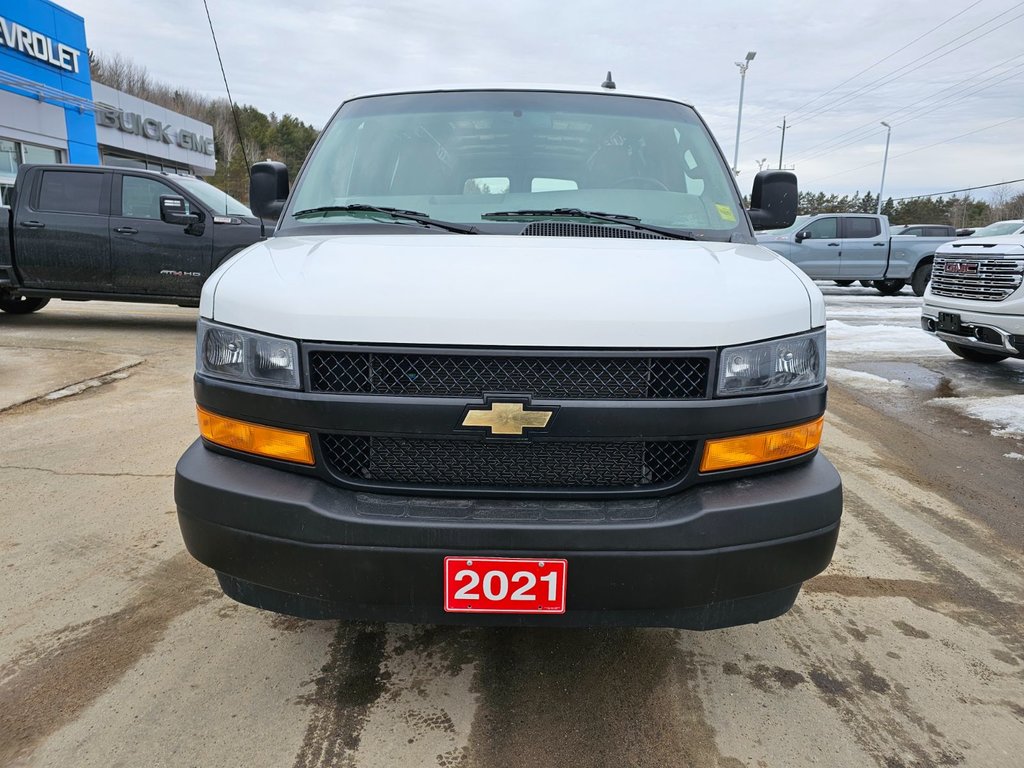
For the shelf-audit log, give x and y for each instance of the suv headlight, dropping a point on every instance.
(254, 358)
(794, 362)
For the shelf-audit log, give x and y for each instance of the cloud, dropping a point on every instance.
(303, 58)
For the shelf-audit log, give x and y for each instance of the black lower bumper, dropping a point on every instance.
(717, 555)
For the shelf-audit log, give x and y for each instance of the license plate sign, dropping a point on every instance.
(949, 322)
(504, 585)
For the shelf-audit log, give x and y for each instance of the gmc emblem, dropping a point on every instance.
(962, 267)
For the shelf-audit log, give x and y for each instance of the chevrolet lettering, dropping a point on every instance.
(38, 46)
(512, 356)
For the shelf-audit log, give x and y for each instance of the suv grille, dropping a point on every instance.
(517, 465)
(561, 377)
(975, 278)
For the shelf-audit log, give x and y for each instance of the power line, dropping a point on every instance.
(869, 128)
(868, 69)
(231, 101)
(898, 50)
(919, 149)
(954, 191)
(954, 138)
(922, 62)
(895, 117)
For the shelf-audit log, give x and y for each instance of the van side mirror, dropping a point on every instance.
(268, 189)
(773, 200)
(173, 211)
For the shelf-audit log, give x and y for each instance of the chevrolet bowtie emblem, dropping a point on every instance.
(506, 418)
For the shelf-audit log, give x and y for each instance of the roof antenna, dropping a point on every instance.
(608, 82)
(234, 110)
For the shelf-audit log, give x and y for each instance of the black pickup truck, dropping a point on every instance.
(95, 232)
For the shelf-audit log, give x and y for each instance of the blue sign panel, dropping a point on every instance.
(44, 44)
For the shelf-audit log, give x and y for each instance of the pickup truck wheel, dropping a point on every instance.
(21, 305)
(866, 283)
(889, 287)
(975, 355)
(843, 283)
(920, 279)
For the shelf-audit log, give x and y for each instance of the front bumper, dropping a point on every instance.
(716, 555)
(998, 333)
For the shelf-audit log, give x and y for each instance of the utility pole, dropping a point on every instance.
(885, 162)
(782, 144)
(743, 65)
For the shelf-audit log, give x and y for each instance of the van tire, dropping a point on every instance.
(21, 305)
(919, 281)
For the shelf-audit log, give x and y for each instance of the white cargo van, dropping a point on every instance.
(513, 356)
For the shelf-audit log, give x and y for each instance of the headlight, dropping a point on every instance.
(231, 353)
(794, 362)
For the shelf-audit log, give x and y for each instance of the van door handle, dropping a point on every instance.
(33, 224)
(127, 231)
(836, 245)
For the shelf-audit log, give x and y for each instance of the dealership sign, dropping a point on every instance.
(154, 130)
(38, 46)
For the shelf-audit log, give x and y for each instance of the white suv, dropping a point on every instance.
(975, 302)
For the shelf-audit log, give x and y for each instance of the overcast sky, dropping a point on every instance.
(954, 97)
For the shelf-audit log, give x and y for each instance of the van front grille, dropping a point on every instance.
(561, 376)
(512, 465)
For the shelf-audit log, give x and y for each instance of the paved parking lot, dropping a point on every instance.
(116, 649)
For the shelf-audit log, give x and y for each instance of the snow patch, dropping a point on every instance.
(874, 312)
(1014, 455)
(881, 340)
(1005, 413)
(862, 380)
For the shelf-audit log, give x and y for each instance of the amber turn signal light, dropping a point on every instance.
(256, 439)
(760, 448)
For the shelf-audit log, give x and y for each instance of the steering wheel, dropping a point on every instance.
(645, 182)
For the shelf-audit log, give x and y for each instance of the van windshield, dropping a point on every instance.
(460, 156)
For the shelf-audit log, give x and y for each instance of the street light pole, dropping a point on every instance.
(782, 144)
(885, 162)
(743, 65)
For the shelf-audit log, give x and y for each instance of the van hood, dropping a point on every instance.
(501, 290)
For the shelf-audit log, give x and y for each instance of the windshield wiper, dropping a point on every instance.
(394, 213)
(614, 218)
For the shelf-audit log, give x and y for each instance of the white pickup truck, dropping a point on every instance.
(512, 356)
(846, 247)
(976, 300)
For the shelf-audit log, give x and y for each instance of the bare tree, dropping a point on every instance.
(225, 136)
(122, 73)
(252, 149)
(999, 197)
